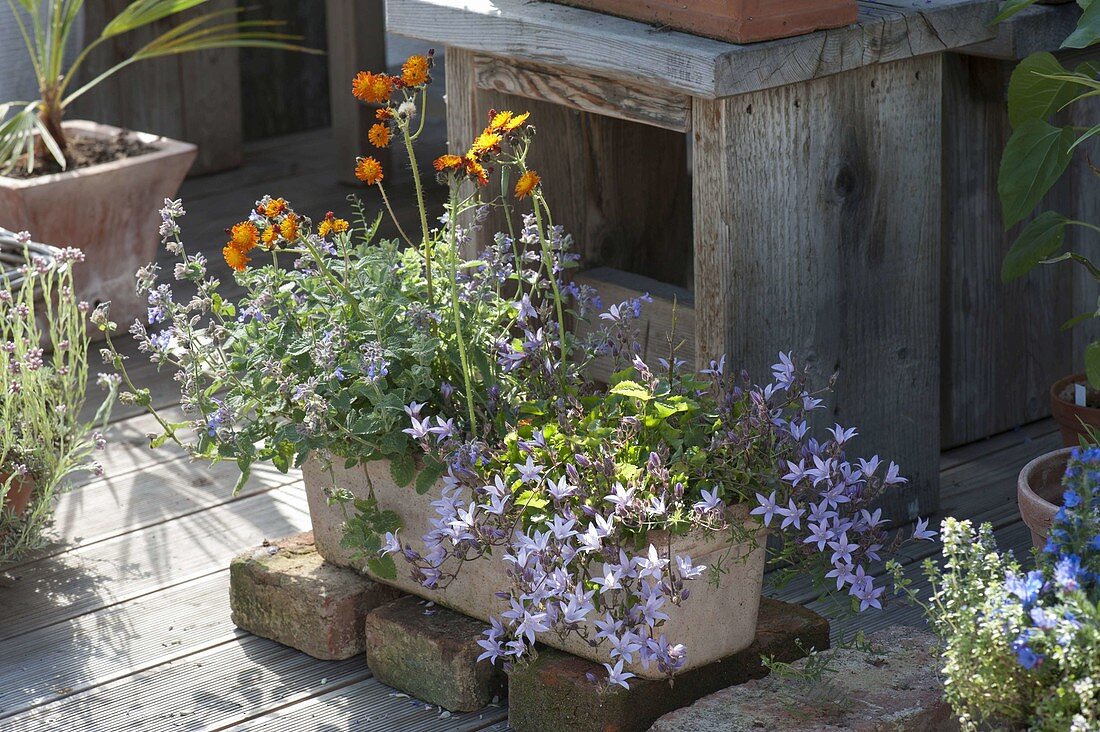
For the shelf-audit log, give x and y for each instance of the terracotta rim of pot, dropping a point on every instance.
(1069, 415)
(1039, 491)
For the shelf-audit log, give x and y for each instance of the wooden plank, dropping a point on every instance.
(1032, 29)
(90, 578)
(565, 37)
(671, 314)
(356, 42)
(368, 706)
(221, 686)
(1005, 441)
(585, 92)
(826, 243)
(1002, 346)
(46, 664)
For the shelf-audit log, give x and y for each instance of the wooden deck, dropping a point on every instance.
(123, 622)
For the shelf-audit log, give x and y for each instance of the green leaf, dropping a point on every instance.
(1092, 364)
(1036, 156)
(1088, 28)
(426, 478)
(1010, 8)
(402, 468)
(382, 567)
(1038, 241)
(1032, 94)
(1077, 320)
(245, 466)
(631, 389)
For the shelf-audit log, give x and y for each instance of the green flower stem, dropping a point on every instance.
(425, 250)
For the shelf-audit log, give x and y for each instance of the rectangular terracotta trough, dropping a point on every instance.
(719, 619)
(737, 21)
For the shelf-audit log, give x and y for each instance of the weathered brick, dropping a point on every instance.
(553, 692)
(286, 592)
(892, 686)
(431, 653)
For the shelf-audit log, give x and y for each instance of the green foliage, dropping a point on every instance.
(1040, 149)
(48, 26)
(43, 359)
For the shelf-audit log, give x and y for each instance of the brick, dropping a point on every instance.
(553, 693)
(890, 687)
(286, 592)
(431, 653)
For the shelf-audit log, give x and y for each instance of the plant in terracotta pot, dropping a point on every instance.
(443, 400)
(43, 358)
(92, 186)
(1022, 646)
(1035, 158)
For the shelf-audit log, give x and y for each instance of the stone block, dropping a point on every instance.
(286, 592)
(430, 652)
(553, 691)
(892, 685)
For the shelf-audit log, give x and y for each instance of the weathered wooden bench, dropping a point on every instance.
(833, 194)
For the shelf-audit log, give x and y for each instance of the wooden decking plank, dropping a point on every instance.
(90, 578)
(368, 706)
(1005, 441)
(43, 665)
(218, 687)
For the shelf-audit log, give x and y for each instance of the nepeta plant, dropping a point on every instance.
(43, 358)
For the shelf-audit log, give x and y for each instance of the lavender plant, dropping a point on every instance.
(1022, 647)
(43, 357)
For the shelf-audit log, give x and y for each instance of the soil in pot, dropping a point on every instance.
(1071, 417)
(1039, 492)
(85, 151)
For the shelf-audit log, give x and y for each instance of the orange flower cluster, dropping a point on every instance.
(331, 225)
(502, 126)
(273, 223)
(368, 170)
(373, 88)
(414, 72)
(243, 238)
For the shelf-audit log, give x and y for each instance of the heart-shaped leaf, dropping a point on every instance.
(1038, 241)
(1034, 159)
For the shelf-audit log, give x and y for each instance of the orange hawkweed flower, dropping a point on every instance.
(486, 142)
(379, 135)
(270, 236)
(414, 72)
(448, 162)
(383, 114)
(476, 170)
(243, 236)
(372, 88)
(368, 170)
(235, 258)
(526, 184)
(272, 208)
(332, 225)
(289, 228)
(514, 122)
(497, 120)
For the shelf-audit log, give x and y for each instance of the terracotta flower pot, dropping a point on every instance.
(108, 210)
(738, 21)
(1039, 492)
(19, 494)
(1070, 416)
(735, 599)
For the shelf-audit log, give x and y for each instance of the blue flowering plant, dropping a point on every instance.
(584, 498)
(1022, 646)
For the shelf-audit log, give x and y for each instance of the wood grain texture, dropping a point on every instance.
(667, 324)
(815, 231)
(1002, 343)
(585, 92)
(193, 97)
(1038, 28)
(356, 42)
(606, 46)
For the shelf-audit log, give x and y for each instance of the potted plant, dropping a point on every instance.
(1022, 647)
(1036, 156)
(437, 403)
(43, 357)
(93, 186)
(738, 21)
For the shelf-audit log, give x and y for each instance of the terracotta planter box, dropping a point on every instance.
(108, 210)
(1039, 492)
(715, 622)
(1070, 417)
(737, 21)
